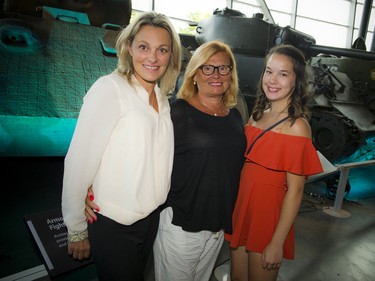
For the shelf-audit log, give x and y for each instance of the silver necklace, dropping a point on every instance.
(214, 112)
(206, 106)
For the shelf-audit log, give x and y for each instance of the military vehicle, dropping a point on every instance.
(52, 51)
(341, 81)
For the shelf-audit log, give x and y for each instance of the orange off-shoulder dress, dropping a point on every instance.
(263, 186)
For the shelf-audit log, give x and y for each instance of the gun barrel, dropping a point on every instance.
(353, 53)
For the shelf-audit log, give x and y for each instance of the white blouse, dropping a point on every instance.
(123, 148)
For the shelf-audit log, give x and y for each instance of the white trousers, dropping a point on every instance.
(184, 256)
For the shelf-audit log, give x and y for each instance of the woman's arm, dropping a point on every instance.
(273, 253)
(98, 116)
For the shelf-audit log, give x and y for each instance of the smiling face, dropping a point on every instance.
(214, 84)
(279, 78)
(151, 53)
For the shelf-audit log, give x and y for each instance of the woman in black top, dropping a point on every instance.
(209, 148)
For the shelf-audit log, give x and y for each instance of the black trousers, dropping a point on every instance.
(120, 252)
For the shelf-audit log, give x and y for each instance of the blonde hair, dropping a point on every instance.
(201, 55)
(125, 64)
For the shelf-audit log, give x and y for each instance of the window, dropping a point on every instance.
(332, 23)
(182, 12)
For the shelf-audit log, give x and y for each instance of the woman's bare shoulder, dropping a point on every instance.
(300, 127)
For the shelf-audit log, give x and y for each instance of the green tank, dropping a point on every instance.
(341, 81)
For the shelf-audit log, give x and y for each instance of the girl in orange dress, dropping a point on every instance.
(273, 176)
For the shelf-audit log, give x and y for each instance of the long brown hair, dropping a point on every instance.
(298, 106)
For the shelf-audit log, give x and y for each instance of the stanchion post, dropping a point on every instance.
(341, 188)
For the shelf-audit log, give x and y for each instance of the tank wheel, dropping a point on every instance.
(334, 135)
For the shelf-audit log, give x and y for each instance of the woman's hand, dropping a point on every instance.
(272, 256)
(79, 250)
(90, 206)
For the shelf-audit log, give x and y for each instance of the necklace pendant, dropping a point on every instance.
(215, 114)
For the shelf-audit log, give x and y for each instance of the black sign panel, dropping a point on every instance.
(51, 236)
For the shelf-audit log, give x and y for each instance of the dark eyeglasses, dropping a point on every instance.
(208, 69)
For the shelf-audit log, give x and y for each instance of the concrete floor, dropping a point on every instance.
(327, 247)
(330, 248)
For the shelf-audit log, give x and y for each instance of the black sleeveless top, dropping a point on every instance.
(209, 155)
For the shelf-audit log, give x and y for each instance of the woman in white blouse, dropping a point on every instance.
(123, 147)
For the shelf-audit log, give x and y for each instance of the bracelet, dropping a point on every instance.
(78, 236)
